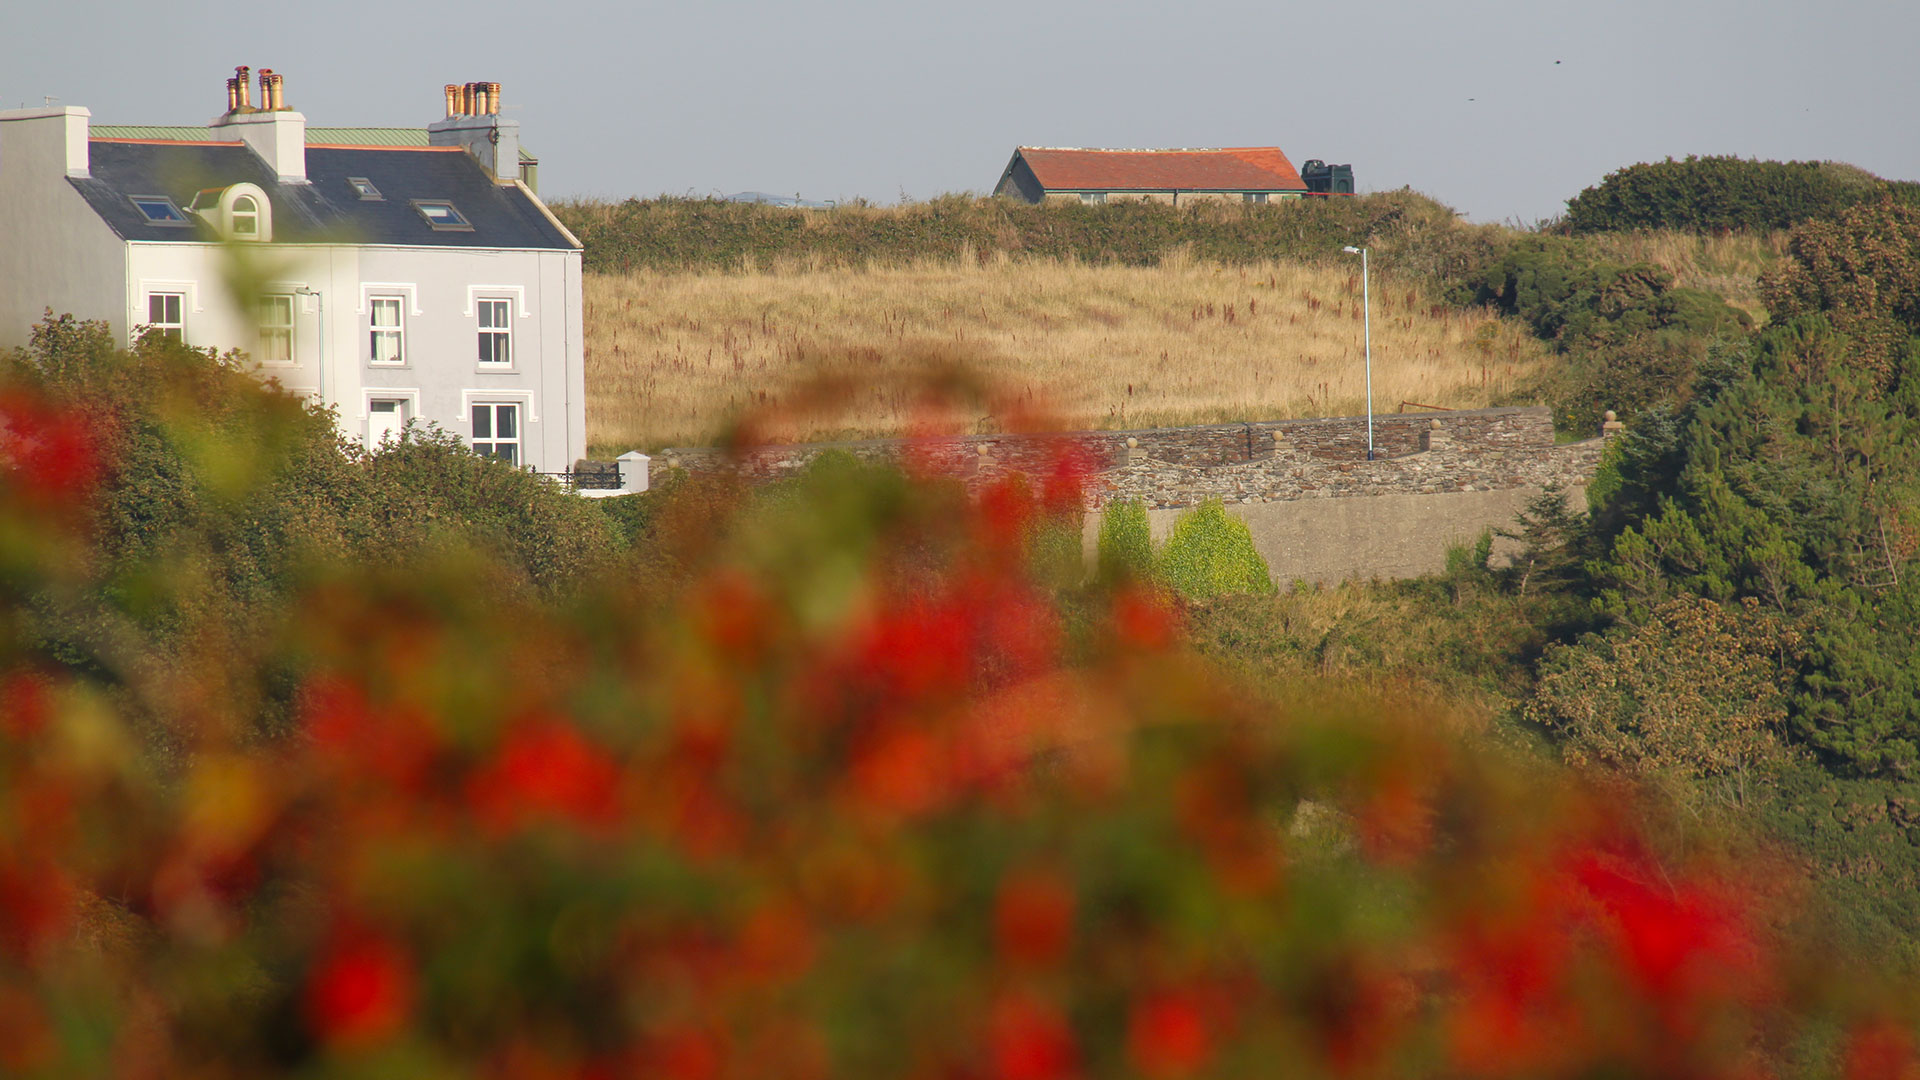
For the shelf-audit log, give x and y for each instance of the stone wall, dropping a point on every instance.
(1320, 510)
(1333, 439)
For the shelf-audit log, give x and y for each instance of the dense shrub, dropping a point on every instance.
(1720, 193)
(1209, 554)
(1415, 234)
(1126, 541)
(1862, 272)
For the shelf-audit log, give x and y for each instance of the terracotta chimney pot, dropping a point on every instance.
(244, 83)
(493, 97)
(453, 99)
(233, 96)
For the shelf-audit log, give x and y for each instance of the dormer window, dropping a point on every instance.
(239, 212)
(364, 188)
(246, 218)
(441, 215)
(159, 210)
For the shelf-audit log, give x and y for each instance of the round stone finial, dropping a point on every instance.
(1278, 435)
(673, 462)
(1609, 416)
(983, 449)
(1435, 425)
(1133, 443)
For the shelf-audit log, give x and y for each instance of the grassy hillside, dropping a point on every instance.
(1119, 315)
(671, 356)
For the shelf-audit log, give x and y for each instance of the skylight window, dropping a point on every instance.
(159, 210)
(364, 188)
(441, 215)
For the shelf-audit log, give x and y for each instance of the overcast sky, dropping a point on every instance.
(1503, 110)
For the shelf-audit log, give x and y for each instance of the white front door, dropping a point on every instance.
(385, 419)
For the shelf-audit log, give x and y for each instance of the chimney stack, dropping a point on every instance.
(275, 133)
(473, 122)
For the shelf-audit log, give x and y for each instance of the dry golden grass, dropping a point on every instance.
(671, 357)
(1727, 265)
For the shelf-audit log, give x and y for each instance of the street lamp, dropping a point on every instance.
(1366, 322)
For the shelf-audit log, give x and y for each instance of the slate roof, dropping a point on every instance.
(1245, 168)
(325, 210)
(345, 136)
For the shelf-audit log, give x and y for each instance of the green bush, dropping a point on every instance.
(1126, 541)
(1210, 554)
(1720, 193)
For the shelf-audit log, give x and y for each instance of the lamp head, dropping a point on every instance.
(1351, 250)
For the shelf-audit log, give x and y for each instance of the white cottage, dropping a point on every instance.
(393, 282)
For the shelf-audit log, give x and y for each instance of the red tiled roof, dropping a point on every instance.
(1243, 168)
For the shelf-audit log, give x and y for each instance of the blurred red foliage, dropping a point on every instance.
(863, 797)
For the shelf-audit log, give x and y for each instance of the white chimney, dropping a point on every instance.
(55, 132)
(482, 132)
(275, 133)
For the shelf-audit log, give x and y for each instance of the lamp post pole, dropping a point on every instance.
(1366, 323)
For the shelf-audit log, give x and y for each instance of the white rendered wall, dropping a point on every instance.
(441, 377)
(55, 252)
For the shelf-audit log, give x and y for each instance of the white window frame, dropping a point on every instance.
(1253, 197)
(286, 332)
(376, 331)
(1093, 198)
(177, 329)
(492, 441)
(493, 317)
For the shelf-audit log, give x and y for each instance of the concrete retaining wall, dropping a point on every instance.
(1326, 541)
